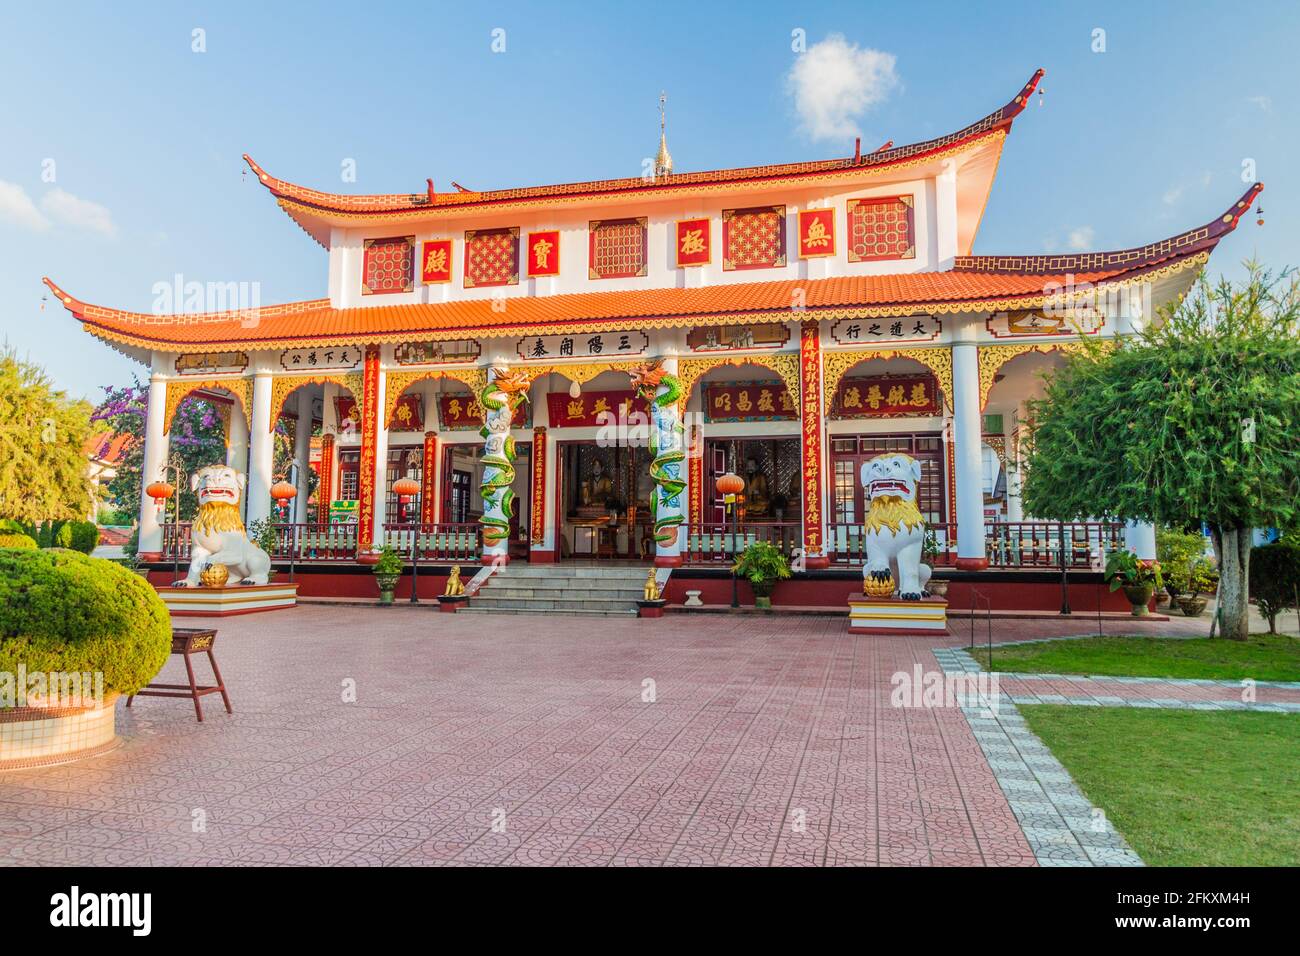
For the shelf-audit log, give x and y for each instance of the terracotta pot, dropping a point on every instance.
(1192, 605)
(938, 587)
(368, 557)
(1139, 595)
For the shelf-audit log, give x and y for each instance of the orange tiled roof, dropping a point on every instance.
(977, 283)
(107, 447)
(301, 201)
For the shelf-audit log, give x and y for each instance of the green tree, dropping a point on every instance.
(43, 470)
(1193, 420)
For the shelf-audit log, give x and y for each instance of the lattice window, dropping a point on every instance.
(389, 265)
(881, 229)
(753, 238)
(491, 257)
(617, 249)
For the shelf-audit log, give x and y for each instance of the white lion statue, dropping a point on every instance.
(894, 529)
(217, 534)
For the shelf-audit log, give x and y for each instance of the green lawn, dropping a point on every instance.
(1274, 657)
(1185, 788)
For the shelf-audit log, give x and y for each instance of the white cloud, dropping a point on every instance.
(1172, 195)
(1080, 239)
(1264, 103)
(835, 82)
(17, 207)
(81, 213)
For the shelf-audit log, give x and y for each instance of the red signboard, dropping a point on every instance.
(749, 402)
(693, 245)
(435, 261)
(407, 414)
(816, 233)
(457, 412)
(544, 253)
(887, 396)
(594, 408)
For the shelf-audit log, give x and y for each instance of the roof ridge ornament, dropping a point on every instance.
(663, 159)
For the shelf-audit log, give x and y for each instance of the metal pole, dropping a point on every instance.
(1065, 576)
(415, 562)
(735, 593)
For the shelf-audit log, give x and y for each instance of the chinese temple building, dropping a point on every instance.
(815, 314)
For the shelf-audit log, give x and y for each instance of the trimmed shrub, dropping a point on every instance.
(16, 540)
(61, 611)
(1274, 578)
(84, 536)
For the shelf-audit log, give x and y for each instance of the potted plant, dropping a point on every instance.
(1176, 550)
(762, 565)
(1139, 579)
(388, 568)
(263, 534)
(1199, 582)
(930, 554)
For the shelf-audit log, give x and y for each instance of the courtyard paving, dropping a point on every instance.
(366, 736)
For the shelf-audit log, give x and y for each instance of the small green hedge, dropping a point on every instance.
(16, 539)
(64, 612)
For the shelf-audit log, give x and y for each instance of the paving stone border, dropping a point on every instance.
(1061, 825)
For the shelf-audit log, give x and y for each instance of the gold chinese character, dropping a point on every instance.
(895, 395)
(576, 408)
(816, 235)
(453, 408)
(765, 401)
(723, 401)
(602, 405)
(404, 414)
(692, 242)
(852, 398)
(743, 403)
(919, 398)
(542, 253)
(874, 396)
(436, 261)
(787, 403)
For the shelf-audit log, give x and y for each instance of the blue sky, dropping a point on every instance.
(1130, 145)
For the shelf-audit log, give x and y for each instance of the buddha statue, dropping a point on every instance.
(756, 490)
(601, 487)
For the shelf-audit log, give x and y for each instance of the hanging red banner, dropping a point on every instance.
(428, 479)
(435, 261)
(369, 438)
(810, 381)
(749, 402)
(695, 477)
(325, 484)
(594, 408)
(538, 498)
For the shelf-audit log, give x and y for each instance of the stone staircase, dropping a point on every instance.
(593, 590)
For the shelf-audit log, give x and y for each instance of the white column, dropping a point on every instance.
(945, 218)
(381, 459)
(260, 450)
(302, 452)
(237, 448)
(1138, 535)
(1015, 506)
(156, 447)
(966, 450)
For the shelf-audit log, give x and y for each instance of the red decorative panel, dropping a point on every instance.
(881, 229)
(693, 245)
(617, 249)
(886, 396)
(695, 476)
(435, 261)
(594, 409)
(369, 436)
(816, 233)
(810, 384)
(544, 253)
(753, 238)
(491, 257)
(389, 265)
(748, 402)
(325, 486)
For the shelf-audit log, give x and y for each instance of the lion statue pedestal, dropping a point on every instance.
(228, 573)
(894, 598)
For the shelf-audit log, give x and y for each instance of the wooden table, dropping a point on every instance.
(187, 641)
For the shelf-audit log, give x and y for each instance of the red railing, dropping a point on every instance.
(436, 542)
(845, 544)
(715, 544)
(311, 542)
(1037, 544)
(176, 537)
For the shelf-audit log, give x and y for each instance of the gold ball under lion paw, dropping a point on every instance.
(214, 576)
(878, 589)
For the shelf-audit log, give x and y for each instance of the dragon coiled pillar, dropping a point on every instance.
(662, 390)
(500, 397)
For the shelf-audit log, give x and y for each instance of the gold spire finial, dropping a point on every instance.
(664, 160)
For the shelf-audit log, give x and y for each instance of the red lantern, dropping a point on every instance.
(405, 489)
(283, 492)
(730, 484)
(160, 491)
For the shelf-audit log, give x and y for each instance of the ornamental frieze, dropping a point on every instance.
(450, 352)
(211, 363)
(541, 348)
(325, 357)
(888, 331)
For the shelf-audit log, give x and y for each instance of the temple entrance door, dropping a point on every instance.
(462, 501)
(770, 467)
(603, 509)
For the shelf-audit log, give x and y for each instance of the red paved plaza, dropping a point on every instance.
(402, 736)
